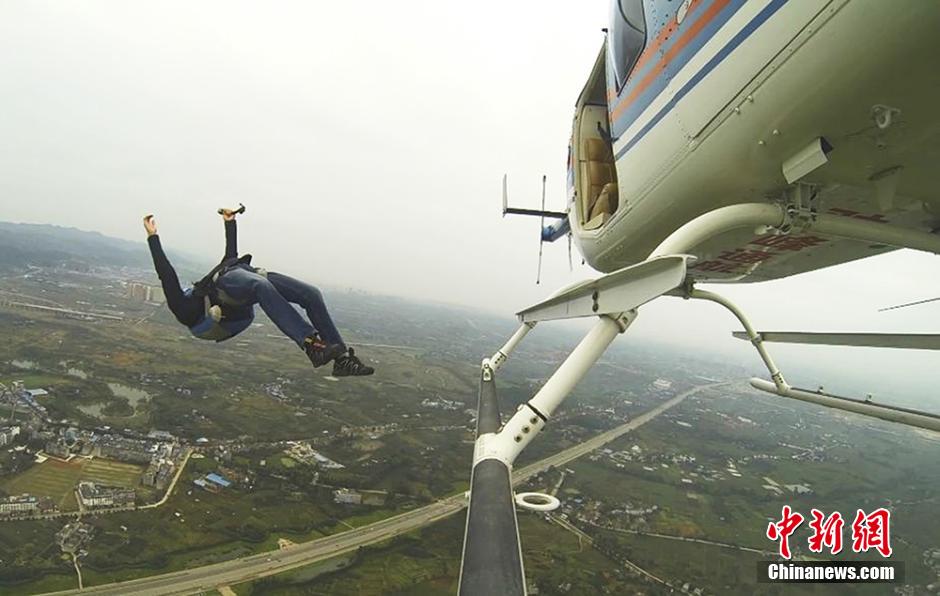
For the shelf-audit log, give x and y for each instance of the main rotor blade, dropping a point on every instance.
(909, 304)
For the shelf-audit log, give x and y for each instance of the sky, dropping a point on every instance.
(368, 141)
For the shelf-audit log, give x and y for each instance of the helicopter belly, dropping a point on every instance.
(776, 76)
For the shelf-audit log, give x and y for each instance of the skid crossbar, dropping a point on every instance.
(780, 387)
(867, 408)
(907, 341)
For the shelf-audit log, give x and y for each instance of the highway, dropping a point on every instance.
(269, 563)
(232, 572)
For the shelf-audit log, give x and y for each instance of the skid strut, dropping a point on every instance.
(492, 556)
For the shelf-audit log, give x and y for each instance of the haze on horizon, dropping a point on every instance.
(368, 142)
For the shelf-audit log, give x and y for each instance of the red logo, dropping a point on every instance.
(871, 531)
(826, 533)
(784, 528)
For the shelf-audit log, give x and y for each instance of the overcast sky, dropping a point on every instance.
(368, 141)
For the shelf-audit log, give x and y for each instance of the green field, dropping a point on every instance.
(112, 473)
(427, 562)
(57, 480)
(53, 479)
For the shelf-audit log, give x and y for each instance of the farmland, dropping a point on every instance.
(57, 479)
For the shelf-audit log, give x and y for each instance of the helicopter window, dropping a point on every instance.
(627, 37)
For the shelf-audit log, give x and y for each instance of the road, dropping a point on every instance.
(577, 451)
(270, 563)
(686, 539)
(169, 490)
(78, 570)
(583, 537)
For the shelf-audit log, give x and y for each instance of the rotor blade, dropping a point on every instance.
(909, 304)
(505, 195)
(538, 212)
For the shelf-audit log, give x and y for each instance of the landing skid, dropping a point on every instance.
(492, 558)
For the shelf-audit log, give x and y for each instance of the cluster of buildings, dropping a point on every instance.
(24, 399)
(932, 562)
(135, 451)
(98, 496)
(691, 470)
(347, 496)
(778, 489)
(440, 402)
(275, 389)
(74, 536)
(661, 385)
(371, 431)
(151, 450)
(159, 474)
(305, 454)
(7, 434)
(159, 451)
(58, 447)
(144, 292)
(24, 505)
(212, 482)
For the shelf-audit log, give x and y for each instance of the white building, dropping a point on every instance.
(7, 434)
(347, 497)
(93, 495)
(21, 504)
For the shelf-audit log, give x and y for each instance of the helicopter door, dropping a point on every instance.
(598, 190)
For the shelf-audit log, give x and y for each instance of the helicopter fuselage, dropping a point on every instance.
(694, 106)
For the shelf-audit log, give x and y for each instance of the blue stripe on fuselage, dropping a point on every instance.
(739, 38)
(675, 64)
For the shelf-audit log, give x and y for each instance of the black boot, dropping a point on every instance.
(320, 352)
(347, 365)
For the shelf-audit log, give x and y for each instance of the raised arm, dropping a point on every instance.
(186, 310)
(162, 264)
(231, 233)
(231, 239)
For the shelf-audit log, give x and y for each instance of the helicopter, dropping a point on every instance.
(728, 141)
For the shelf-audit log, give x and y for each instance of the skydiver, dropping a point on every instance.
(221, 305)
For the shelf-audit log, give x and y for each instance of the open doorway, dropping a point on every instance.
(595, 177)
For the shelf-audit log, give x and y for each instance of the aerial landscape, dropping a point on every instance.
(124, 426)
(480, 299)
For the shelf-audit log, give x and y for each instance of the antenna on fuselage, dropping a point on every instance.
(539, 212)
(538, 274)
(549, 234)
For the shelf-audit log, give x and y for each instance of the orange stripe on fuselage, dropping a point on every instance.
(652, 49)
(683, 41)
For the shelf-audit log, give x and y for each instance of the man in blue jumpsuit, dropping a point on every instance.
(222, 305)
